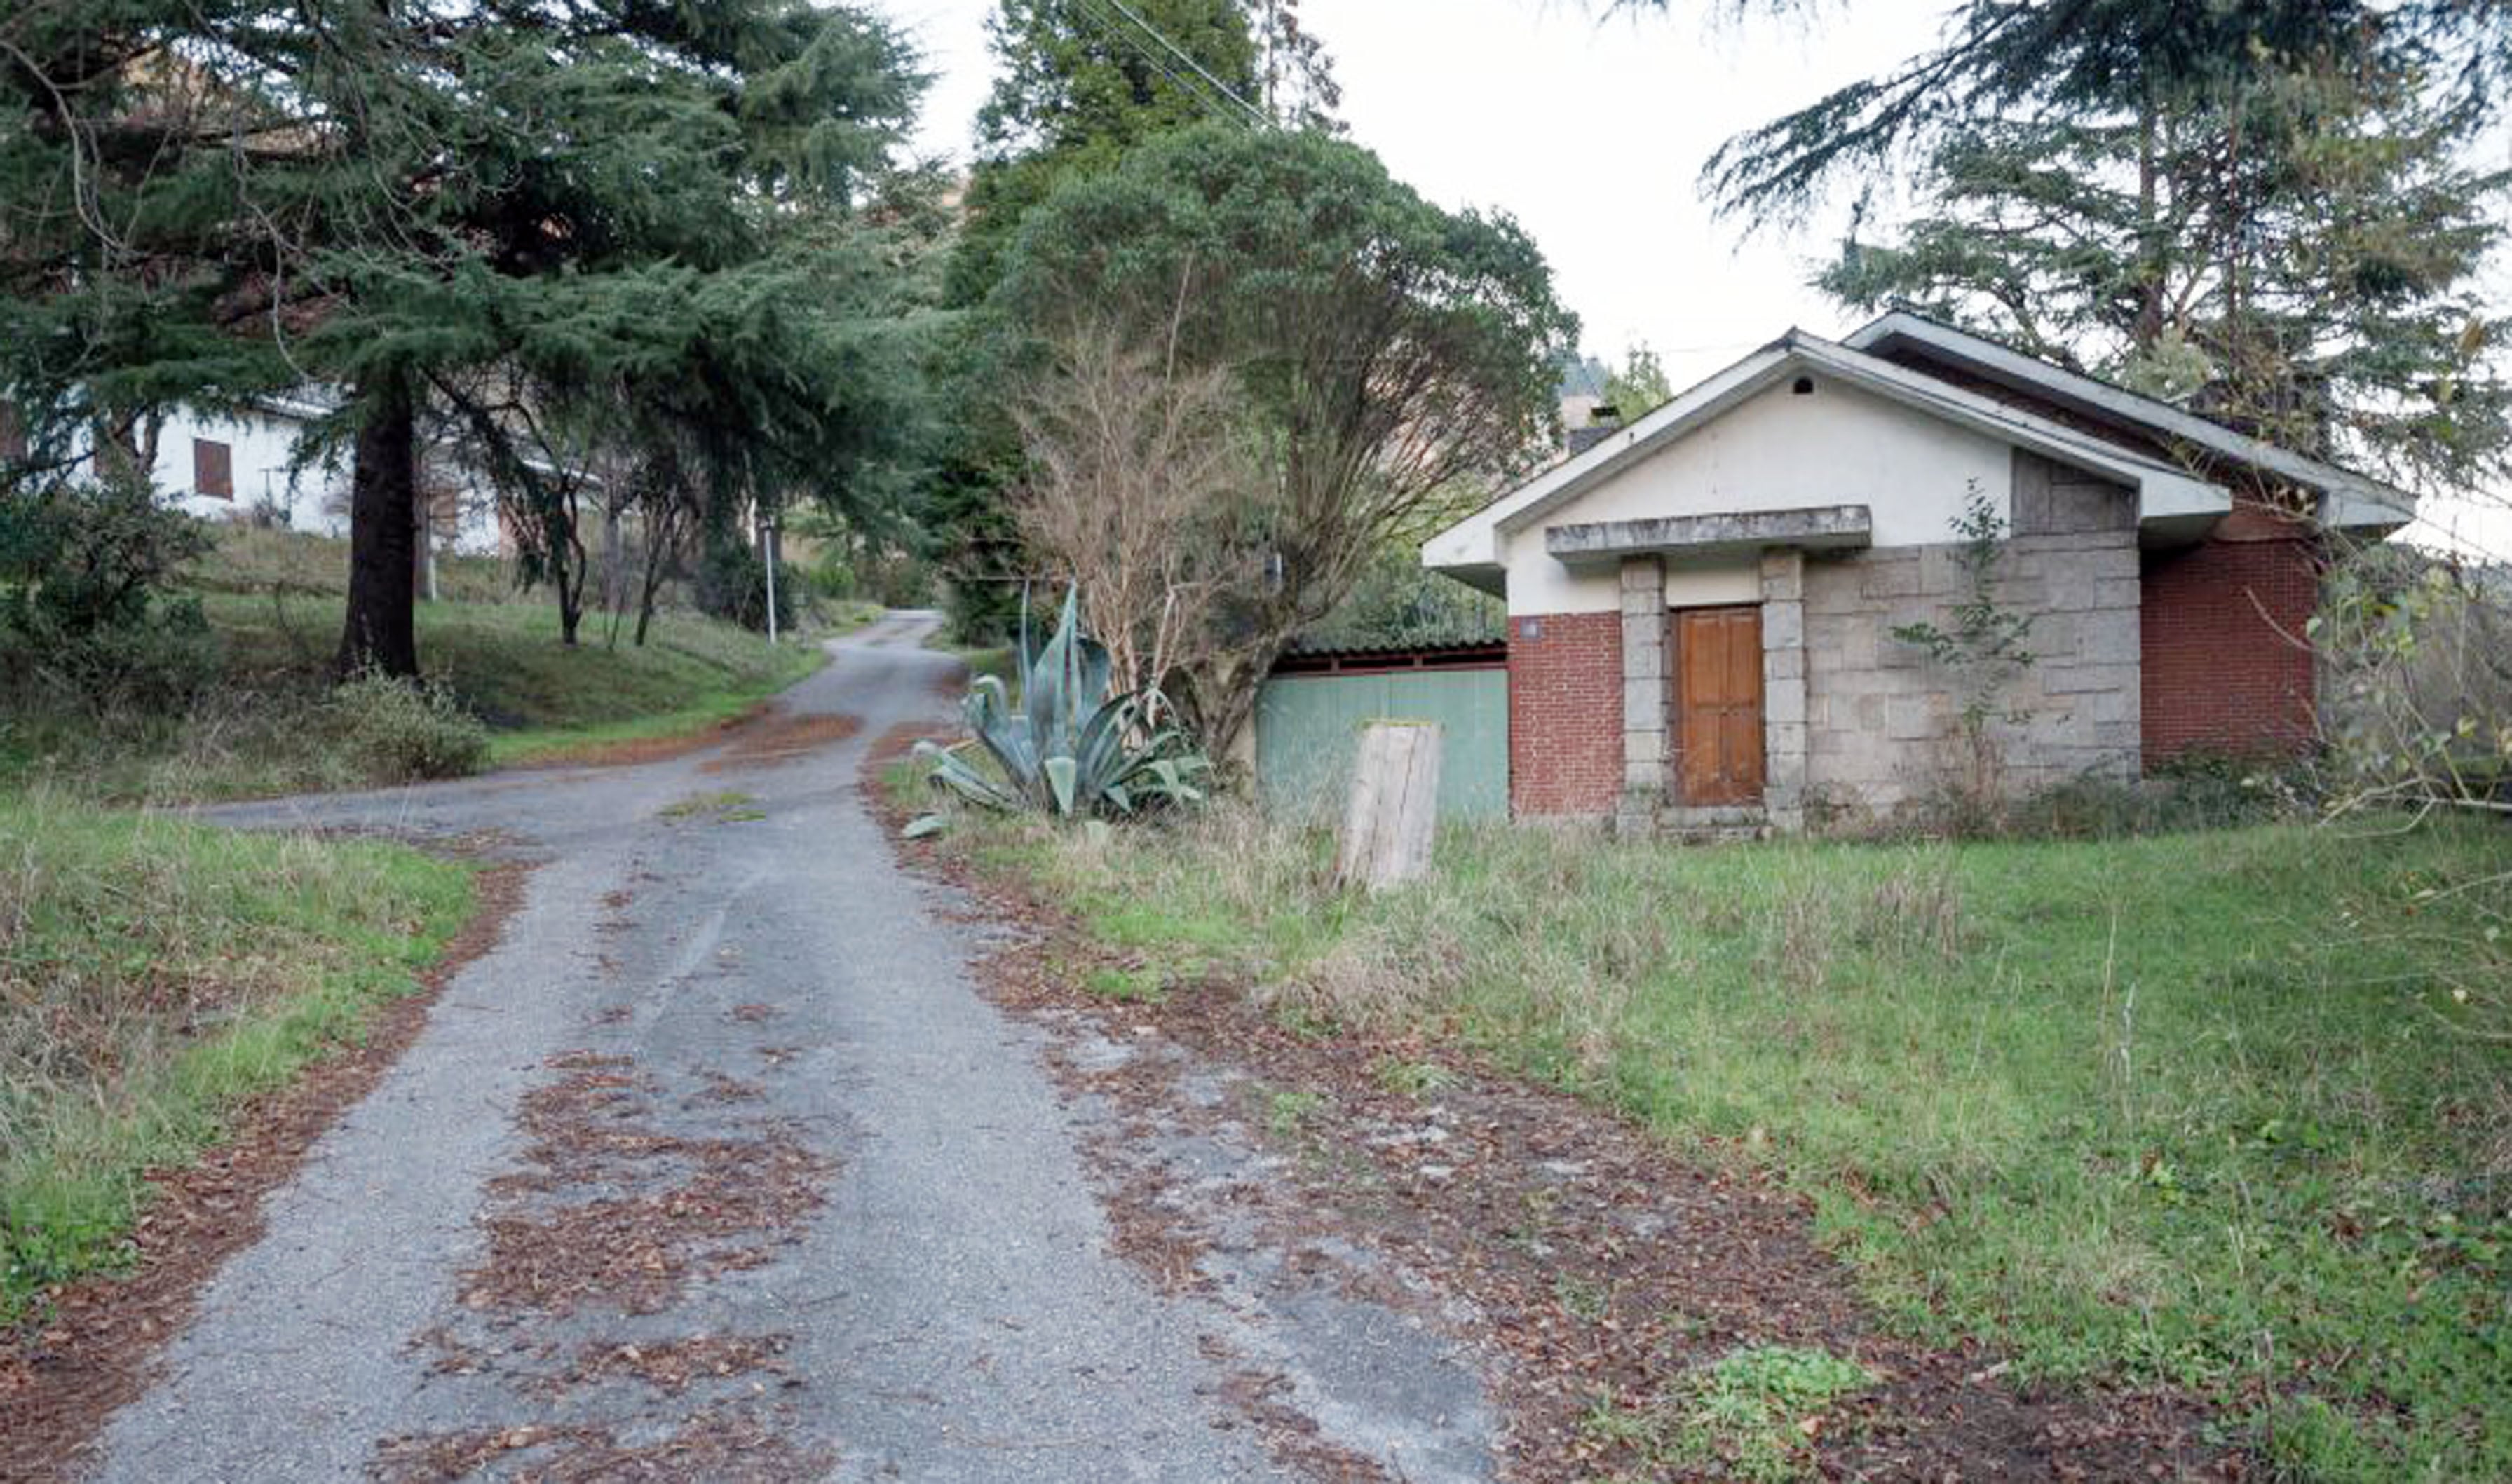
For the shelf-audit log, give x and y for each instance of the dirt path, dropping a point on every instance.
(721, 1168)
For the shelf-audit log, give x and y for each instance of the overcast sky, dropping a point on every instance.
(1591, 130)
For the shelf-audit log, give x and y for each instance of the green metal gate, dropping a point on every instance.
(1308, 725)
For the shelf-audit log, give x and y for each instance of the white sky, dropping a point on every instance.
(1591, 130)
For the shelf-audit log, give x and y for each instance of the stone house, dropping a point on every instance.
(1702, 606)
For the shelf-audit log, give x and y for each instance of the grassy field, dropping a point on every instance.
(264, 725)
(2230, 1110)
(503, 661)
(154, 974)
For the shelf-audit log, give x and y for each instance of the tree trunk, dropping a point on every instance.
(568, 552)
(378, 632)
(2151, 245)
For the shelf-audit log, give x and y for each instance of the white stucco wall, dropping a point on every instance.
(315, 498)
(1776, 450)
(259, 450)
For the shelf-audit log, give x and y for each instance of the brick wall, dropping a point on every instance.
(2223, 666)
(1566, 715)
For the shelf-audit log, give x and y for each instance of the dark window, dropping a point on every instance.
(1804, 386)
(213, 469)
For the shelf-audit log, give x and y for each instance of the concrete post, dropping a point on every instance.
(1783, 689)
(1645, 683)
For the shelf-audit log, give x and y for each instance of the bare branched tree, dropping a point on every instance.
(1140, 473)
(2418, 654)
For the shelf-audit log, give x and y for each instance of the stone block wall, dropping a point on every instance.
(1566, 715)
(1883, 719)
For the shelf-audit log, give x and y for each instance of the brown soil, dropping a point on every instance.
(1602, 1263)
(95, 1347)
(640, 750)
(779, 739)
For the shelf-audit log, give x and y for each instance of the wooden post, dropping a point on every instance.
(1393, 810)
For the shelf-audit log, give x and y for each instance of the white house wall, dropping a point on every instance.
(315, 498)
(260, 449)
(1776, 450)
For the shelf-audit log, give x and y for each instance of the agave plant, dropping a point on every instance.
(1069, 749)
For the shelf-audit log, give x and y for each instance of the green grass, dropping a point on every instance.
(258, 730)
(720, 807)
(251, 561)
(2227, 1110)
(1750, 1416)
(155, 974)
(504, 662)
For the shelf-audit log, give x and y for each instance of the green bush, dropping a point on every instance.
(83, 570)
(400, 733)
(79, 558)
(732, 585)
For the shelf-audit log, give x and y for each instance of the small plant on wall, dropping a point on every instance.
(1984, 644)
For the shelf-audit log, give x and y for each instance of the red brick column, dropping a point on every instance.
(2224, 666)
(1566, 715)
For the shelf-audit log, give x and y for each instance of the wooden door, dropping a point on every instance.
(1718, 704)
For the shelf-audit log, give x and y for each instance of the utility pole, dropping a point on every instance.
(769, 523)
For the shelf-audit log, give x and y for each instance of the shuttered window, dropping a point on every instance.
(213, 469)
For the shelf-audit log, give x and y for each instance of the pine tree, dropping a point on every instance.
(412, 201)
(2297, 253)
(2072, 59)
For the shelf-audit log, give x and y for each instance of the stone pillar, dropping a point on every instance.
(1783, 689)
(1644, 681)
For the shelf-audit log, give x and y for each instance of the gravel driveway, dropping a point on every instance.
(718, 1168)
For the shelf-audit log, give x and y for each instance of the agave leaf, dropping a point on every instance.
(952, 771)
(1060, 776)
(1049, 691)
(923, 825)
(1119, 796)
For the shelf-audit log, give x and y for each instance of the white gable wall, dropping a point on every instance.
(1775, 450)
(259, 450)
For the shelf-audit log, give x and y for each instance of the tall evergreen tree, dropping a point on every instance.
(405, 200)
(2298, 253)
(1390, 355)
(2071, 59)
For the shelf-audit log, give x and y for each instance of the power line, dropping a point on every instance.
(1115, 31)
(1254, 114)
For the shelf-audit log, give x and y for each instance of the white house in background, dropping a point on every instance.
(239, 467)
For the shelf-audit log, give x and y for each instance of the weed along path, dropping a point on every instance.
(719, 1167)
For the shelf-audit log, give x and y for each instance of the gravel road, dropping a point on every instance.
(719, 1168)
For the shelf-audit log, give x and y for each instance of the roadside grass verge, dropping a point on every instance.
(261, 726)
(2205, 1110)
(153, 976)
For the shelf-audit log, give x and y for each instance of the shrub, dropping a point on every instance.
(399, 734)
(732, 585)
(79, 558)
(82, 573)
